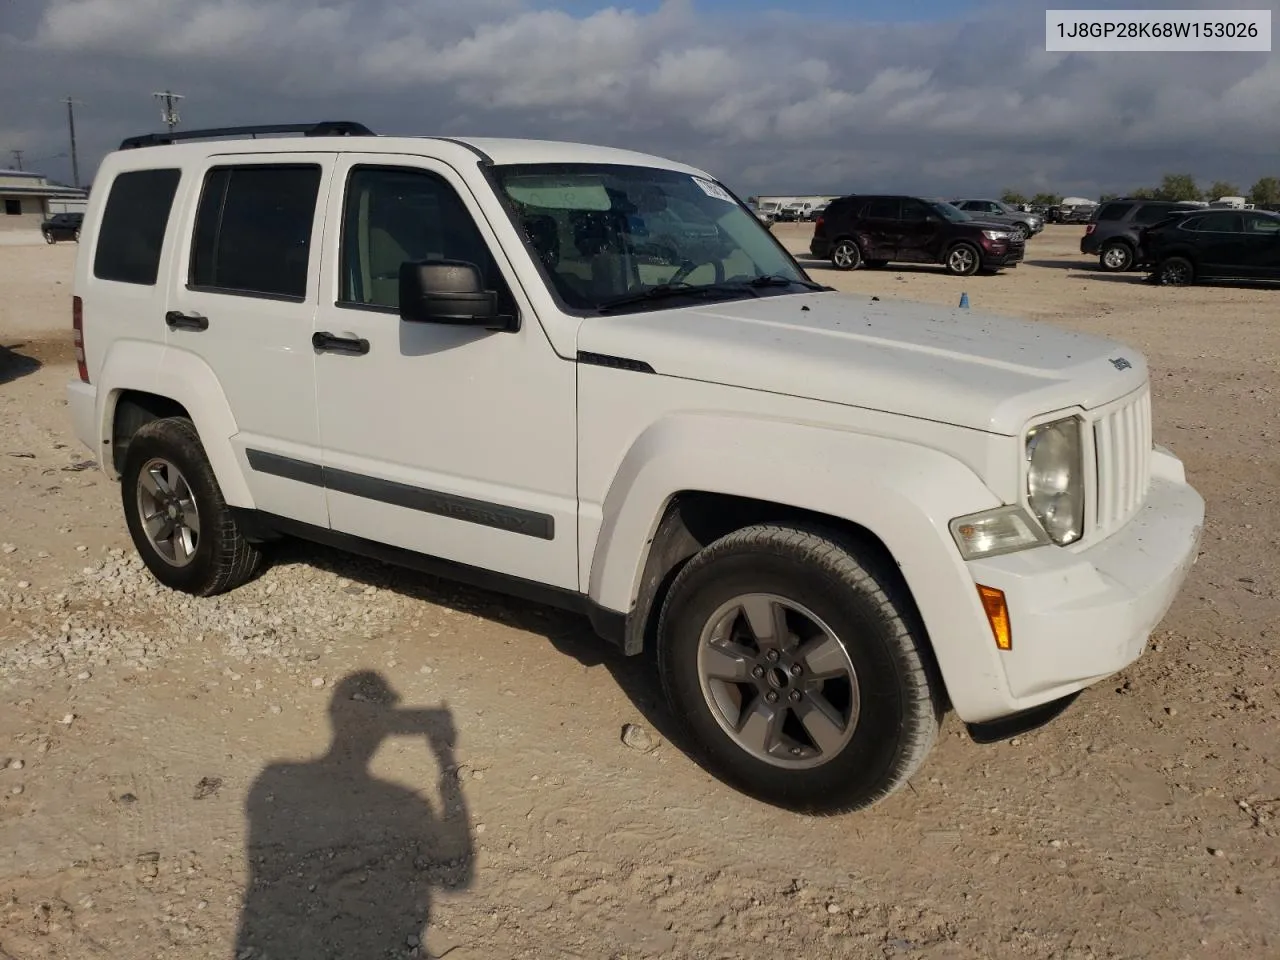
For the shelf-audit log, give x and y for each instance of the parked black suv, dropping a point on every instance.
(1112, 233)
(62, 226)
(877, 229)
(1213, 244)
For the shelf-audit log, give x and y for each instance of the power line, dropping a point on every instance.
(169, 112)
(71, 126)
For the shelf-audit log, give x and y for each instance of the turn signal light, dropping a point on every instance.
(997, 611)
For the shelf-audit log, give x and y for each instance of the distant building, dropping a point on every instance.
(26, 198)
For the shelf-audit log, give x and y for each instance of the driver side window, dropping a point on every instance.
(393, 216)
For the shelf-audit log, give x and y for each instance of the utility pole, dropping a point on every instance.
(169, 112)
(17, 158)
(71, 126)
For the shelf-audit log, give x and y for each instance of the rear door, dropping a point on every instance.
(918, 232)
(881, 228)
(1220, 244)
(244, 302)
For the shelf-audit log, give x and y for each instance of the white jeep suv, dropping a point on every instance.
(591, 377)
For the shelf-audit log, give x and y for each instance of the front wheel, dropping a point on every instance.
(49, 238)
(963, 260)
(1020, 232)
(180, 524)
(846, 255)
(796, 664)
(1176, 272)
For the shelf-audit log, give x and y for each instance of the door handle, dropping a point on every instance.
(323, 340)
(177, 320)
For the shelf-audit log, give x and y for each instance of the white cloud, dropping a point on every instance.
(778, 102)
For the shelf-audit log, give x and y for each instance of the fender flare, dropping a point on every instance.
(186, 379)
(903, 493)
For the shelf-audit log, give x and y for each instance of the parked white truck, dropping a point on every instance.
(591, 377)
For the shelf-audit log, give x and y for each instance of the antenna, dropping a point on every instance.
(169, 112)
(71, 126)
(17, 158)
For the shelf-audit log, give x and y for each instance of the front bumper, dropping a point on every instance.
(1078, 617)
(997, 253)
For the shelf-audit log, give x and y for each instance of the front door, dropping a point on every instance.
(451, 441)
(244, 300)
(1262, 246)
(919, 232)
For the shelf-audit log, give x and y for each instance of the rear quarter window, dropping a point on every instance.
(134, 221)
(1113, 211)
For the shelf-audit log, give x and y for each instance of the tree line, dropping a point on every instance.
(1173, 186)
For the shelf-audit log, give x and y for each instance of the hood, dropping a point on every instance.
(921, 360)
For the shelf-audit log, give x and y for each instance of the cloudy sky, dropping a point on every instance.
(773, 96)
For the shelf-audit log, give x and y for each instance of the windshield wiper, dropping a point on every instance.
(664, 291)
(777, 280)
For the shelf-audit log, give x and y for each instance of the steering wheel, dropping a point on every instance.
(688, 266)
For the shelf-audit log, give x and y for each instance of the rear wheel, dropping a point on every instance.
(846, 255)
(179, 522)
(963, 260)
(49, 238)
(1116, 257)
(796, 665)
(1176, 272)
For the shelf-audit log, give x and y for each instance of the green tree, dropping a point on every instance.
(1266, 190)
(1104, 197)
(1046, 199)
(1143, 193)
(1177, 186)
(1013, 197)
(1221, 188)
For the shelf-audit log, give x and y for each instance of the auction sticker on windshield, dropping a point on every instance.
(713, 190)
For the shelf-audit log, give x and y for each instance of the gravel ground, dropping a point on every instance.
(188, 777)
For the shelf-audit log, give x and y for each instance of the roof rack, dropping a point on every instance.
(326, 128)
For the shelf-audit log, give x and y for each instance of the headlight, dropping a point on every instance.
(993, 532)
(1055, 478)
(997, 234)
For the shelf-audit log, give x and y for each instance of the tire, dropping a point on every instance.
(1116, 256)
(1021, 231)
(76, 235)
(886, 709)
(963, 259)
(49, 238)
(846, 255)
(212, 559)
(1175, 272)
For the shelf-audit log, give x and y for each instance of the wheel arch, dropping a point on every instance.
(140, 382)
(691, 479)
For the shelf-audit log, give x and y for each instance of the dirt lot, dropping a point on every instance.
(178, 770)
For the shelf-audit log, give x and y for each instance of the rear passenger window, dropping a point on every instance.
(1152, 213)
(882, 210)
(131, 234)
(253, 230)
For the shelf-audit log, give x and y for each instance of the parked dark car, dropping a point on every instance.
(62, 226)
(1213, 244)
(1112, 233)
(997, 210)
(877, 229)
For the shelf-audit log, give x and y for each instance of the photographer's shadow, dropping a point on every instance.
(342, 864)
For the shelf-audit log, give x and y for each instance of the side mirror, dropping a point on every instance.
(447, 291)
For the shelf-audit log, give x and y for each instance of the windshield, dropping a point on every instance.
(954, 214)
(607, 233)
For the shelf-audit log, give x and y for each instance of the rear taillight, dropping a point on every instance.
(77, 332)
(818, 224)
(1089, 228)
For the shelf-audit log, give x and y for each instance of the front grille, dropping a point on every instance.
(1122, 447)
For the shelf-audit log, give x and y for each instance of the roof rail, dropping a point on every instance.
(326, 128)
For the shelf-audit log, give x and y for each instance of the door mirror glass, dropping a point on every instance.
(447, 291)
